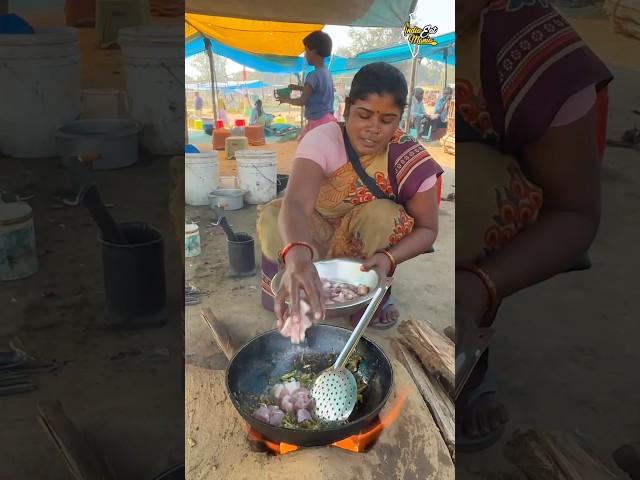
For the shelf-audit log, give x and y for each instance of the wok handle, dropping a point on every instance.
(375, 302)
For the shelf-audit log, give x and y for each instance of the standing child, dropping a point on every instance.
(317, 92)
(198, 105)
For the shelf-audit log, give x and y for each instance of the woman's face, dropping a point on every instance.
(371, 123)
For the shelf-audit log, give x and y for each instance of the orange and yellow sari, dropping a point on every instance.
(349, 221)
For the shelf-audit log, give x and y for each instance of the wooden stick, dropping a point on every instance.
(225, 341)
(82, 463)
(554, 456)
(436, 352)
(102, 459)
(437, 399)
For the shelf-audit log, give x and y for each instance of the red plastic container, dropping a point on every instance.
(219, 124)
(240, 122)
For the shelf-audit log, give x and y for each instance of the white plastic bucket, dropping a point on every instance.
(40, 85)
(200, 177)
(18, 254)
(153, 59)
(102, 102)
(191, 240)
(257, 174)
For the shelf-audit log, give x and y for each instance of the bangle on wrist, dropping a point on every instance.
(282, 254)
(494, 300)
(391, 259)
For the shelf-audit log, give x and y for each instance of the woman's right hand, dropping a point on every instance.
(300, 274)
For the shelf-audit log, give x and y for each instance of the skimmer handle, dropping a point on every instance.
(385, 284)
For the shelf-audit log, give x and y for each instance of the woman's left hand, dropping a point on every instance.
(379, 260)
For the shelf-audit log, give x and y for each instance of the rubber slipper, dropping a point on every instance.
(466, 444)
(384, 326)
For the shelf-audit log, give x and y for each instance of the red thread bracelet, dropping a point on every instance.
(286, 249)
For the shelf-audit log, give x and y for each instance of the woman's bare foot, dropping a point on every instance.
(386, 319)
(480, 422)
(482, 416)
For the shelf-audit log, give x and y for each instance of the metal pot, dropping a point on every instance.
(232, 198)
(116, 140)
(267, 357)
(345, 270)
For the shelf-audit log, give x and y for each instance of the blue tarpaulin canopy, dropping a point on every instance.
(259, 62)
(398, 53)
(227, 86)
(284, 64)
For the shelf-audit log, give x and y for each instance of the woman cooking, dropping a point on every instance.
(362, 190)
(530, 171)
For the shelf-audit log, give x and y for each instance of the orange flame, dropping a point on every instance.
(360, 442)
(355, 443)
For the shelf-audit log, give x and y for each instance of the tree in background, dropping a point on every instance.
(431, 72)
(370, 38)
(428, 72)
(200, 63)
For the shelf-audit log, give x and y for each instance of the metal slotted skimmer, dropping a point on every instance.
(335, 390)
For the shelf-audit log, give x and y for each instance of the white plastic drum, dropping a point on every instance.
(153, 58)
(18, 254)
(257, 171)
(192, 246)
(40, 85)
(200, 177)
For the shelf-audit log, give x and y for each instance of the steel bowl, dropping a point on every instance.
(345, 270)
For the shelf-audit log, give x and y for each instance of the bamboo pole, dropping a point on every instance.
(412, 83)
(212, 68)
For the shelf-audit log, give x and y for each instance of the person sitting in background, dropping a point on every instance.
(441, 109)
(259, 116)
(419, 117)
(317, 93)
(222, 111)
(440, 113)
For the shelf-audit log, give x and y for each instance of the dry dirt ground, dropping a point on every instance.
(409, 448)
(123, 388)
(573, 369)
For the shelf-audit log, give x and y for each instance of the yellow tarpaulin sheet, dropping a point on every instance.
(275, 38)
